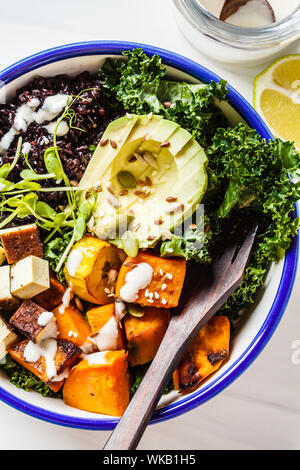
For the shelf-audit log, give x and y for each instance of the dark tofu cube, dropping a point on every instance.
(52, 297)
(20, 242)
(66, 355)
(34, 322)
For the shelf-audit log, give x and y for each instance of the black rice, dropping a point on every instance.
(93, 115)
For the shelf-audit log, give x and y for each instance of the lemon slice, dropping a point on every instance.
(277, 97)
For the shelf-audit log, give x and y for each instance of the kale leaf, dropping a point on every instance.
(140, 85)
(23, 378)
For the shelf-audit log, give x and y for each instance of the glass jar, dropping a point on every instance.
(233, 44)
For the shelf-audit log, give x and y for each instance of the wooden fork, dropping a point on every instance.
(198, 305)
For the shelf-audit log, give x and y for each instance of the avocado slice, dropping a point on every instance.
(168, 166)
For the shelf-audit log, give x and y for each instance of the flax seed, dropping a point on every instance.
(113, 143)
(103, 142)
(132, 159)
(151, 237)
(158, 222)
(148, 181)
(124, 192)
(139, 193)
(74, 183)
(165, 145)
(171, 199)
(193, 227)
(78, 304)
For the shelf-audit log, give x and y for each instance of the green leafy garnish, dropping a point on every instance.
(24, 379)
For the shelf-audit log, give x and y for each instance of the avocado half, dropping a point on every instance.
(151, 174)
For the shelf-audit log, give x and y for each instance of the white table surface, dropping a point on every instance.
(261, 410)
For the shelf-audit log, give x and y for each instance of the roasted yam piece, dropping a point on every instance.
(99, 384)
(72, 325)
(8, 303)
(144, 334)
(206, 353)
(92, 268)
(20, 242)
(66, 355)
(167, 280)
(34, 322)
(103, 321)
(52, 297)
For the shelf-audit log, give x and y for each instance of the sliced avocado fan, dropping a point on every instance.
(151, 174)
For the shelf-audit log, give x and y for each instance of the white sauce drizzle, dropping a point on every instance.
(97, 358)
(120, 310)
(136, 279)
(74, 260)
(26, 147)
(45, 318)
(106, 339)
(46, 349)
(65, 301)
(52, 106)
(26, 114)
(62, 128)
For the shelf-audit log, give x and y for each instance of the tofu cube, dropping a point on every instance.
(7, 338)
(30, 277)
(2, 255)
(7, 301)
(20, 242)
(34, 322)
(66, 355)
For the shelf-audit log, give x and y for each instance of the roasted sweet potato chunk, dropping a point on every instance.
(33, 322)
(92, 268)
(52, 297)
(99, 384)
(206, 353)
(20, 242)
(72, 325)
(144, 334)
(66, 355)
(165, 287)
(101, 317)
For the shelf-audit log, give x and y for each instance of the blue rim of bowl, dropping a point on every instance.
(287, 280)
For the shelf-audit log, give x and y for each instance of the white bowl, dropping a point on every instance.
(257, 324)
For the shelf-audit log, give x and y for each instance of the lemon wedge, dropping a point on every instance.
(277, 97)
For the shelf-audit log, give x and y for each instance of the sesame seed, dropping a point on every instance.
(169, 250)
(151, 301)
(161, 272)
(147, 293)
(156, 295)
(128, 115)
(150, 115)
(103, 142)
(169, 276)
(163, 301)
(106, 290)
(151, 295)
(164, 286)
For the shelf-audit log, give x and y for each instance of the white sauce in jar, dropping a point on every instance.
(74, 260)
(46, 349)
(138, 278)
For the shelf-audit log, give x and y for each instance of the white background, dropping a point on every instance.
(261, 410)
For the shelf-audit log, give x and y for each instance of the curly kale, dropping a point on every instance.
(22, 378)
(140, 85)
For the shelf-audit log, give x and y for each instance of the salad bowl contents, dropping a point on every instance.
(112, 185)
